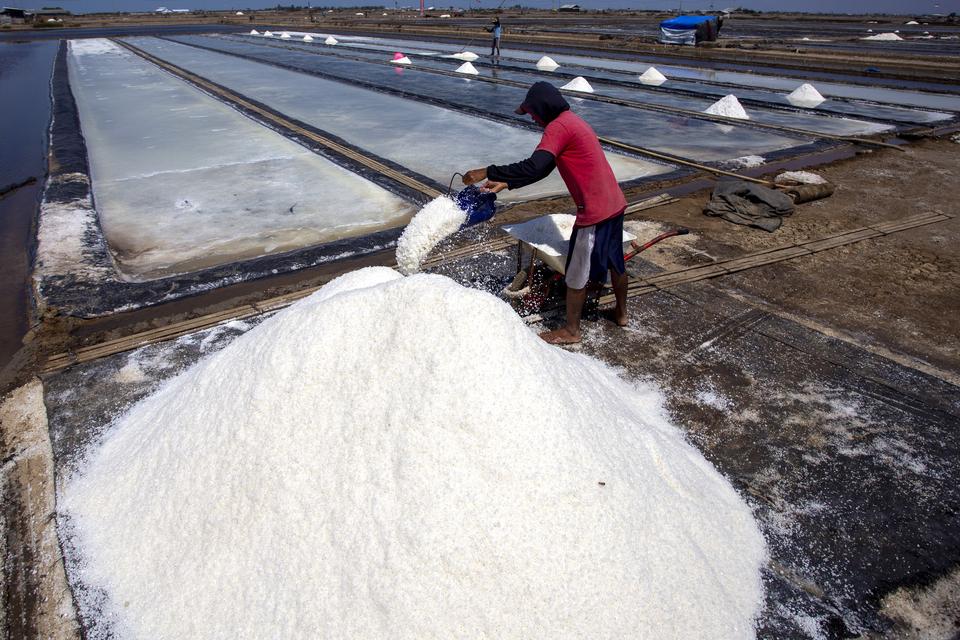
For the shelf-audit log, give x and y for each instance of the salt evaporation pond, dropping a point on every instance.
(745, 79)
(182, 181)
(376, 461)
(481, 95)
(428, 139)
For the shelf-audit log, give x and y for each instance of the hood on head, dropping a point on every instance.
(543, 101)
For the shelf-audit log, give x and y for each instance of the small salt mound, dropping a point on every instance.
(285, 36)
(401, 60)
(578, 84)
(403, 458)
(268, 33)
(728, 106)
(806, 95)
(883, 36)
(330, 40)
(466, 67)
(546, 63)
(469, 56)
(652, 76)
(308, 38)
(254, 32)
(438, 219)
(911, 22)
(802, 177)
(748, 161)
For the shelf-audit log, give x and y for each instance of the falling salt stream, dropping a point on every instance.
(369, 463)
(439, 219)
(578, 84)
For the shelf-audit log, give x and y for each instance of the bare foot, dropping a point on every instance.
(619, 318)
(560, 336)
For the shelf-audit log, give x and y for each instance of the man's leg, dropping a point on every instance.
(619, 282)
(570, 332)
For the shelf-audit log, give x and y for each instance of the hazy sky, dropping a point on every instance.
(834, 6)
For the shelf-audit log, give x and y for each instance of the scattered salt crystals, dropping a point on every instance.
(370, 462)
(748, 161)
(469, 56)
(438, 219)
(802, 177)
(728, 106)
(883, 36)
(308, 38)
(268, 33)
(285, 36)
(330, 40)
(254, 32)
(806, 95)
(546, 63)
(466, 67)
(578, 84)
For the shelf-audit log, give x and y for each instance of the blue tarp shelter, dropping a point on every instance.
(689, 29)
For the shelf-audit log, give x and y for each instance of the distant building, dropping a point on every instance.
(12, 15)
(569, 8)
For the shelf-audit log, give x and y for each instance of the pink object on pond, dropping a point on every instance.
(398, 56)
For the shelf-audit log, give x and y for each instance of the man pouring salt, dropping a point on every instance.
(596, 245)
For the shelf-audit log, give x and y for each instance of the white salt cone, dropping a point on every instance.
(468, 68)
(546, 63)
(268, 33)
(578, 84)
(806, 95)
(728, 106)
(308, 38)
(254, 32)
(469, 56)
(403, 60)
(653, 77)
(330, 40)
(285, 36)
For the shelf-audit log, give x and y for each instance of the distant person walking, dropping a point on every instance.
(496, 29)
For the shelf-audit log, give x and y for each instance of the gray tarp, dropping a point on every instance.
(750, 204)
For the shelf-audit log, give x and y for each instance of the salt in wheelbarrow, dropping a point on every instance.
(547, 239)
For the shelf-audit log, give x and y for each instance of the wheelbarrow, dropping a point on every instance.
(546, 239)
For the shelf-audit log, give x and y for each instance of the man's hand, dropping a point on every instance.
(474, 175)
(493, 187)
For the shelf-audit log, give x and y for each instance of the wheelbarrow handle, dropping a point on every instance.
(637, 248)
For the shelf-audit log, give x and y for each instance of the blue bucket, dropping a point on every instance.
(480, 206)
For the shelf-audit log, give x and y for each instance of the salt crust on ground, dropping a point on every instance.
(467, 67)
(806, 95)
(728, 106)
(803, 177)
(403, 458)
(578, 84)
(652, 76)
(438, 219)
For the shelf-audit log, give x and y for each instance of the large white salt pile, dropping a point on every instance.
(728, 106)
(437, 220)
(403, 458)
(469, 56)
(546, 63)
(308, 38)
(806, 95)
(578, 84)
(330, 40)
(883, 36)
(468, 68)
(652, 76)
